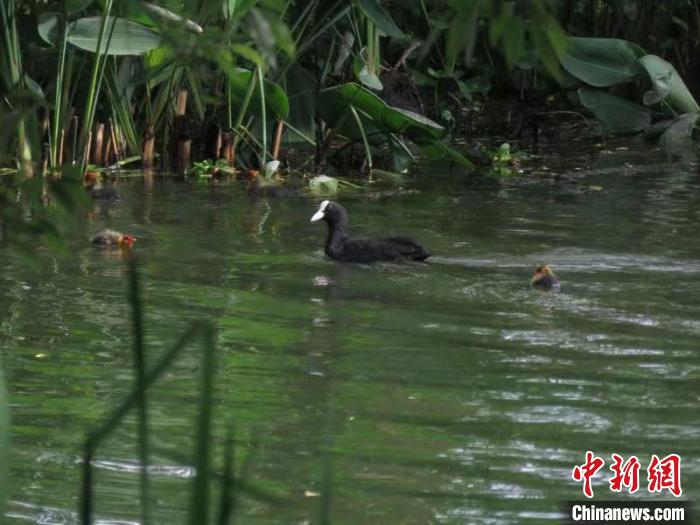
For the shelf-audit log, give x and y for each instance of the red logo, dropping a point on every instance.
(665, 474)
(625, 474)
(662, 473)
(586, 471)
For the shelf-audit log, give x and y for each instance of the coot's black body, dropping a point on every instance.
(341, 247)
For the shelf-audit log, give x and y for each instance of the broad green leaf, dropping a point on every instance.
(248, 53)
(335, 101)
(128, 38)
(235, 8)
(164, 15)
(4, 444)
(380, 121)
(48, 27)
(617, 114)
(275, 97)
(438, 150)
(668, 85)
(34, 88)
(324, 184)
(157, 56)
(513, 40)
(603, 62)
(376, 13)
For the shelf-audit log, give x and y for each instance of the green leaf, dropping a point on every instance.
(335, 102)
(128, 38)
(73, 6)
(461, 34)
(164, 15)
(48, 27)
(603, 62)
(299, 84)
(34, 88)
(275, 97)
(324, 185)
(248, 53)
(233, 9)
(617, 114)
(668, 85)
(364, 75)
(438, 150)
(157, 57)
(376, 13)
(513, 39)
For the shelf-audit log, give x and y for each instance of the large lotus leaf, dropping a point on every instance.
(275, 98)
(128, 38)
(668, 84)
(603, 62)
(335, 101)
(377, 14)
(617, 114)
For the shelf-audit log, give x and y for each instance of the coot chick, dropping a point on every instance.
(112, 239)
(104, 193)
(544, 278)
(341, 247)
(97, 190)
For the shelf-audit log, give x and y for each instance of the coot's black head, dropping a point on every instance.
(333, 213)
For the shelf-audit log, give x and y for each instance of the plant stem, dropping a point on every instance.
(90, 102)
(261, 87)
(58, 105)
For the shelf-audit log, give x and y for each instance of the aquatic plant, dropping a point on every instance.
(602, 63)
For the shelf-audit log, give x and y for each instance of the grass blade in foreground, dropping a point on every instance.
(4, 444)
(136, 399)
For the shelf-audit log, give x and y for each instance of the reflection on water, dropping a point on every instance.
(447, 392)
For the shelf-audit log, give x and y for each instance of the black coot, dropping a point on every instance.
(341, 247)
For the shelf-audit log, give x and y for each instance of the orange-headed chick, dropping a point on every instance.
(91, 178)
(544, 278)
(112, 239)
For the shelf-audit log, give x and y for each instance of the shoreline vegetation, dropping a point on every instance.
(336, 89)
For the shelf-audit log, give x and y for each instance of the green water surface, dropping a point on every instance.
(447, 392)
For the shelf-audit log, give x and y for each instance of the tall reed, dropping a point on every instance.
(4, 444)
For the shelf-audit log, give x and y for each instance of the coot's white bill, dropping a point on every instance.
(319, 214)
